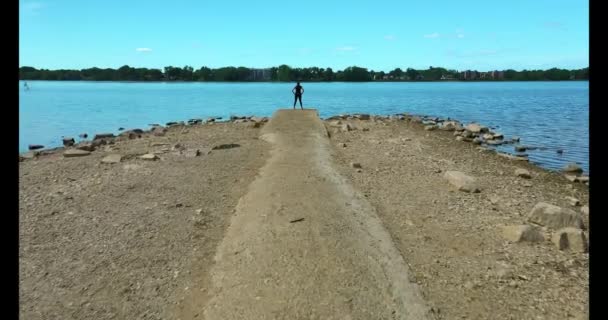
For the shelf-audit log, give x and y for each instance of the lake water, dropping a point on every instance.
(549, 115)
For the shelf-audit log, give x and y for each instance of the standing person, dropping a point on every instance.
(26, 86)
(298, 91)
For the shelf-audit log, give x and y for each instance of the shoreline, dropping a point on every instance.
(134, 226)
(432, 123)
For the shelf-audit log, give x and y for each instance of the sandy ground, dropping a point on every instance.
(177, 237)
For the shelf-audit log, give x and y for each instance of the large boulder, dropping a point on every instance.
(149, 157)
(555, 217)
(462, 181)
(523, 173)
(86, 146)
(476, 128)
(68, 142)
(522, 233)
(159, 131)
(362, 116)
(450, 126)
(112, 158)
(573, 168)
(570, 239)
(468, 134)
(35, 146)
(103, 136)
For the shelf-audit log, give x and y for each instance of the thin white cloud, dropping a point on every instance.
(432, 35)
(389, 37)
(346, 48)
(460, 36)
(143, 50)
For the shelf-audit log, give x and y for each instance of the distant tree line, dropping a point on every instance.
(287, 73)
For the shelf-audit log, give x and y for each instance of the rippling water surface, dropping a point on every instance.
(548, 115)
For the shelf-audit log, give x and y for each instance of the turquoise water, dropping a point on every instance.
(549, 115)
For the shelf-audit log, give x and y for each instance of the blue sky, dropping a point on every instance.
(379, 35)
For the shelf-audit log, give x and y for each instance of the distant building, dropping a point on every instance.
(447, 77)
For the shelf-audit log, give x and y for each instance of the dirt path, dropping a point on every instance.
(303, 244)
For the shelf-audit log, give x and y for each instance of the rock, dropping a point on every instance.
(457, 133)
(430, 127)
(335, 123)
(488, 136)
(83, 136)
(494, 142)
(103, 136)
(522, 233)
(498, 136)
(226, 146)
(256, 124)
(240, 120)
(459, 138)
(355, 165)
(462, 181)
(346, 127)
(476, 128)
(112, 158)
(477, 141)
(582, 179)
(68, 142)
(35, 146)
(30, 155)
(559, 151)
(362, 116)
(554, 217)
(159, 131)
(121, 128)
(172, 123)
(75, 153)
(210, 120)
(192, 153)
(467, 134)
(585, 210)
(571, 178)
(450, 126)
(573, 168)
(365, 129)
(573, 201)
(149, 156)
(520, 149)
(523, 173)
(570, 239)
(515, 139)
(98, 142)
(195, 121)
(132, 134)
(86, 146)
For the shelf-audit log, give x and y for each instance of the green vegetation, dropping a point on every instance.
(287, 73)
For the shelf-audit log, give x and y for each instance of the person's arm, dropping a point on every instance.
(293, 90)
(302, 90)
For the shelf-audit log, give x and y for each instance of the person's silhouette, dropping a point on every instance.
(298, 90)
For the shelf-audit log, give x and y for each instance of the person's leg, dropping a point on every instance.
(300, 97)
(295, 99)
